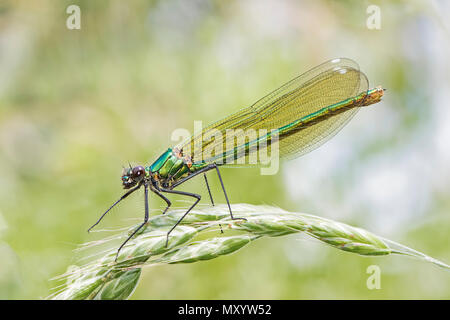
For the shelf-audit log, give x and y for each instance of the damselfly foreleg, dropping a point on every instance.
(141, 225)
(121, 198)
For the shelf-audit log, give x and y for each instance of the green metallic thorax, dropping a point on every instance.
(172, 166)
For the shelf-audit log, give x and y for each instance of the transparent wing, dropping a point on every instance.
(231, 138)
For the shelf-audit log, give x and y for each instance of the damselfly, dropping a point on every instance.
(295, 119)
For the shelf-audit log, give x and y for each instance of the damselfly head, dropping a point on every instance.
(132, 176)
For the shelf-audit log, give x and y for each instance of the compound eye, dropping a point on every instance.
(138, 171)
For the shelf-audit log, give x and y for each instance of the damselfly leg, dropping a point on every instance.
(115, 203)
(194, 195)
(210, 196)
(204, 170)
(141, 225)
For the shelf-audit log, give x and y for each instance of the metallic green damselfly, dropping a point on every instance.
(296, 118)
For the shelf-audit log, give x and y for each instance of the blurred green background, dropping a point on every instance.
(76, 105)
